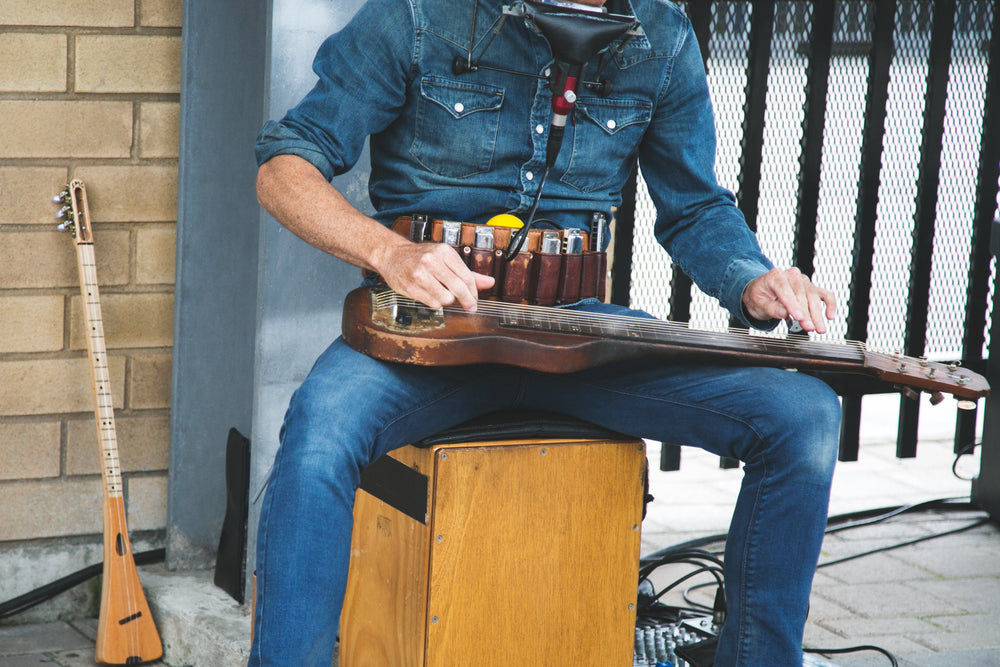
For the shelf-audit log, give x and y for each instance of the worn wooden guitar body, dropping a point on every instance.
(384, 325)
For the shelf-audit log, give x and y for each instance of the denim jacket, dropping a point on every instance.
(468, 146)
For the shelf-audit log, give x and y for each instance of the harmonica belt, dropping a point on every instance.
(553, 267)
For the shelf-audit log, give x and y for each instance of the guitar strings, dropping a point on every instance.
(680, 331)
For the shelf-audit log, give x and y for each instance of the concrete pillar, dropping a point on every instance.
(254, 305)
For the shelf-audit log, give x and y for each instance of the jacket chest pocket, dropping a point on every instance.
(606, 134)
(456, 126)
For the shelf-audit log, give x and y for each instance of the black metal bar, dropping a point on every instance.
(986, 486)
(906, 428)
(850, 428)
(977, 298)
(670, 457)
(621, 257)
(758, 65)
(813, 125)
(700, 14)
(880, 57)
(925, 213)
(863, 252)
(680, 296)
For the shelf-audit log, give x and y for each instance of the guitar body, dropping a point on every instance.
(126, 633)
(475, 339)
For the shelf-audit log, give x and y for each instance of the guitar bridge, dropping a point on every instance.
(400, 314)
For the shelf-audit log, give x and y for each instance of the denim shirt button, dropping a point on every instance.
(529, 175)
(539, 129)
(611, 124)
(459, 107)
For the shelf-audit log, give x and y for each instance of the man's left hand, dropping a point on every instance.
(786, 293)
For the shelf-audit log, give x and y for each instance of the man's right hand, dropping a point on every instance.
(301, 199)
(432, 273)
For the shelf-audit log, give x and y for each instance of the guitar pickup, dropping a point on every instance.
(393, 312)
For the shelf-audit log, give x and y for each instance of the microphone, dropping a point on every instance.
(575, 33)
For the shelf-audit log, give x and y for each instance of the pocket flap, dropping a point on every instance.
(614, 114)
(460, 98)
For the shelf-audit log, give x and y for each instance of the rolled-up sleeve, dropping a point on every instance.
(359, 91)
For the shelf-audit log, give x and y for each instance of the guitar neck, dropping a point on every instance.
(104, 413)
(671, 335)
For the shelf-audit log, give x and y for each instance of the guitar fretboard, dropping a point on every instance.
(668, 333)
(100, 374)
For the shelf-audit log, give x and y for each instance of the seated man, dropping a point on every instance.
(468, 140)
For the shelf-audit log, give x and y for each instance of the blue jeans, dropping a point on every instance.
(352, 409)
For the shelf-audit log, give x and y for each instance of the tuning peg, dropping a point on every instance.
(63, 226)
(910, 393)
(63, 211)
(936, 397)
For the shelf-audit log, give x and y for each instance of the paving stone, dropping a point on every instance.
(950, 563)
(876, 568)
(969, 658)
(33, 660)
(57, 636)
(889, 600)
(985, 623)
(872, 627)
(977, 595)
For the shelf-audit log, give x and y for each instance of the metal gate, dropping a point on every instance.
(862, 140)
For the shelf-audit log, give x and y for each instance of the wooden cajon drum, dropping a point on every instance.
(518, 552)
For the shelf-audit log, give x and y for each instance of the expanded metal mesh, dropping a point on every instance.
(842, 135)
(837, 212)
(956, 197)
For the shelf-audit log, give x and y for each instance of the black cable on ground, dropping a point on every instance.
(853, 519)
(854, 649)
(695, 549)
(974, 524)
(968, 449)
(48, 591)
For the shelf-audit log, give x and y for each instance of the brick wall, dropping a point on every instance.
(89, 89)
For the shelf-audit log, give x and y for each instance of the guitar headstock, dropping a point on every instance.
(75, 211)
(922, 375)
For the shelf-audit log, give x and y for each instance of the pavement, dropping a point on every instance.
(934, 602)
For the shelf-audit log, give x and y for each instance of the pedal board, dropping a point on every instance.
(662, 640)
